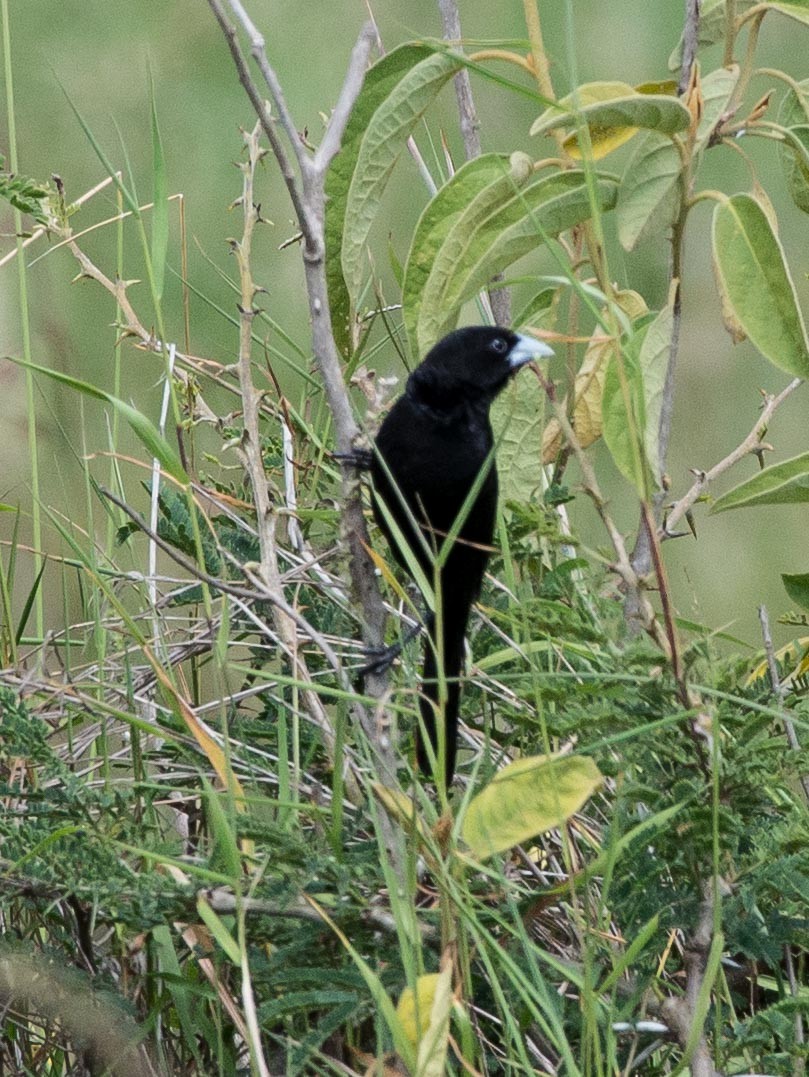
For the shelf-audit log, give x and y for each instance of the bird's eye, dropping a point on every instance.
(499, 346)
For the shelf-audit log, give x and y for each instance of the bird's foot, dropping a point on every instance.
(361, 459)
(381, 659)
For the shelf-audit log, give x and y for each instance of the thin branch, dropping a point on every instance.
(352, 85)
(309, 202)
(690, 42)
(262, 112)
(499, 298)
(751, 444)
(259, 53)
(467, 113)
(679, 1012)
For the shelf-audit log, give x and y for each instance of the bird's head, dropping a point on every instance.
(472, 363)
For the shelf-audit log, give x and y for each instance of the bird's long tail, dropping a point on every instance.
(454, 630)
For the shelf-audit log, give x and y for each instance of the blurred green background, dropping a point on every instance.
(101, 54)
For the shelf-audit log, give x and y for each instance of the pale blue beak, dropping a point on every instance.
(526, 350)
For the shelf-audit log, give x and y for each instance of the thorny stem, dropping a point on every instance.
(751, 444)
(307, 192)
(252, 457)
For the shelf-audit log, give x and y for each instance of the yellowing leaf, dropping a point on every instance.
(424, 1016)
(613, 112)
(526, 798)
(589, 385)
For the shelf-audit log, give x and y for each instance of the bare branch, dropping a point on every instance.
(500, 298)
(470, 125)
(263, 113)
(352, 85)
(690, 41)
(259, 53)
(750, 444)
(309, 201)
(679, 1013)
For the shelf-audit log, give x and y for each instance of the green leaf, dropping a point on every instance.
(756, 285)
(439, 216)
(794, 114)
(142, 427)
(538, 311)
(380, 82)
(507, 219)
(797, 587)
(786, 483)
(624, 411)
(219, 930)
(518, 418)
(526, 798)
(383, 140)
(656, 112)
(654, 361)
(649, 198)
(794, 9)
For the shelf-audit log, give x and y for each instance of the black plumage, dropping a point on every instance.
(430, 452)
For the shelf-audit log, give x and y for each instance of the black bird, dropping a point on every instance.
(434, 447)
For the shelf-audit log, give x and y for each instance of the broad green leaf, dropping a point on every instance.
(797, 587)
(653, 361)
(624, 411)
(526, 798)
(383, 141)
(614, 119)
(142, 427)
(794, 114)
(505, 221)
(518, 418)
(786, 483)
(538, 312)
(589, 385)
(380, 82)
(795, 9)
(755, 283)
(440, 214)
(649, 198)
(711, 27)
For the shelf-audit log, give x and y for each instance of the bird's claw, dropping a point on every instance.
(380, 659)
(361, 459)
